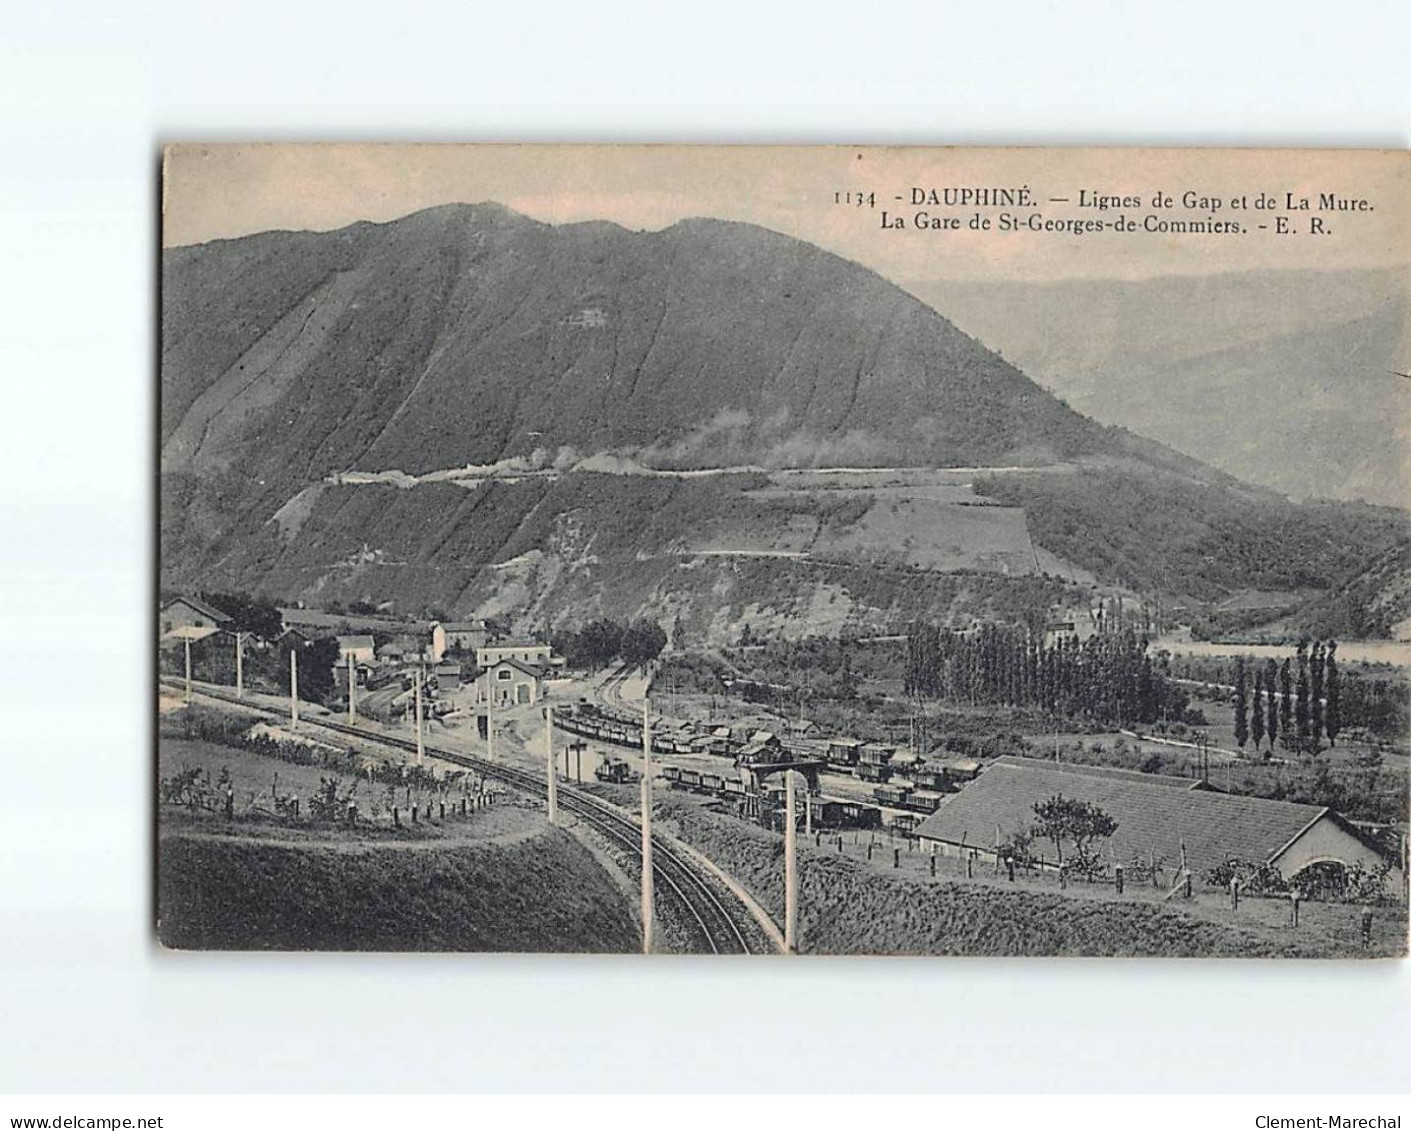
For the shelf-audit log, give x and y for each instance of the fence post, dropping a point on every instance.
(396, 817)
(933, 863)
(1118, 878)
(970, 865)
(896, 858)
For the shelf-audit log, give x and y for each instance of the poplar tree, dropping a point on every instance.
(1271, 679)
(1241, 704)
(1286, 703)
(1332, 717)
(1300, 707)
(1257, 720)
(1315, 699)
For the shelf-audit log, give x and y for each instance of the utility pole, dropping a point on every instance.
(188, 670)
(352, 691)
(549, 763)
(293, 688)
(647, 895)
(240, 665)
(420, 751)
(791, 891)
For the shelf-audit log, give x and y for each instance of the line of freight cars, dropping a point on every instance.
(588, 721)
(888, 796)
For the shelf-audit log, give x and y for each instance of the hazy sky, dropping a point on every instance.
(217, 191)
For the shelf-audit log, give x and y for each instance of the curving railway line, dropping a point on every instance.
(718, 927)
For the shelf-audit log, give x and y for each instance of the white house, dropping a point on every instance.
(360, 648)
(509, 683)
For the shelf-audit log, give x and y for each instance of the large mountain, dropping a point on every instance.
(469, 410)
(1283, 378)
(469, 334)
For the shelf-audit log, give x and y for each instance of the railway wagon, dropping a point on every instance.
(868, 771)
(924, 800)
(842, 753)
(929, 776)
(834, 813)
(893, 795)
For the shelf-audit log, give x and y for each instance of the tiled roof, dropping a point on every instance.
(511, 662)
(1150, 814)
(200, 606)
(1114, 772)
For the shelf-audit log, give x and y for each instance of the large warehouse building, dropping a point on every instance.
(1155, 815)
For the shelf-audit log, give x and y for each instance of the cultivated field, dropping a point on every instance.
(499, 880)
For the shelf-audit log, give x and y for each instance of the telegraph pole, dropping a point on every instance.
(293, 688)
(549, 762)
(352, 691)
(791, 889)
(647, 896)
(419, 749)
(188, 669)
(240, 665)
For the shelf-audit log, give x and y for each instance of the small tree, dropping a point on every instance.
(1080, 822)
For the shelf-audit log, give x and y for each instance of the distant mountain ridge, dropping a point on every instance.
(1285, 379)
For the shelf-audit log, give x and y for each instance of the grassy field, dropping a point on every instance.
(850, 905)
(545, 893)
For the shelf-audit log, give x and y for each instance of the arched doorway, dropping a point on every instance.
(1323, 879)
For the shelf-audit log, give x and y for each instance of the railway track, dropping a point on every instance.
(717, 927)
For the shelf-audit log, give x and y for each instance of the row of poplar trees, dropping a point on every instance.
(1298, 700)
(1109, 676)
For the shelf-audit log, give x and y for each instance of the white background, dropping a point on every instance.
(89, 93)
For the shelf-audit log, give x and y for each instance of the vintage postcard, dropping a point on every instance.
(818, 550)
